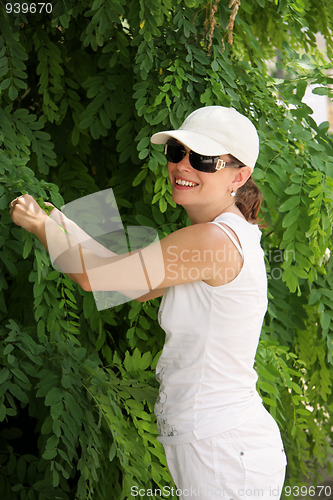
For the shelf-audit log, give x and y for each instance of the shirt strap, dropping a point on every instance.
(235, 242)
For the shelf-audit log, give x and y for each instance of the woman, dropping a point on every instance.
(219, 440)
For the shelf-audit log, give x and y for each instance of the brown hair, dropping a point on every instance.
(248, 198)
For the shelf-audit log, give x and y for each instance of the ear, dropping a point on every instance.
(241, 177)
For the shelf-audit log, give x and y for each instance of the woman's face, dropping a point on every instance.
(191, 187)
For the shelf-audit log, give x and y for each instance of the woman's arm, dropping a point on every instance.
(27, 213)
(194, 253)
(158, 292)
(78, 234)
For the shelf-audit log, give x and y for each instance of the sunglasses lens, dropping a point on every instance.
(203, 163)
(174, 152)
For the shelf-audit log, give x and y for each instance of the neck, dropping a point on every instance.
(199, 214)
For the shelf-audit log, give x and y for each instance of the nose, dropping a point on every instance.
(185, 164)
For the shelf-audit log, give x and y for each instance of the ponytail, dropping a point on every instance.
(248, 200)
(248, 197)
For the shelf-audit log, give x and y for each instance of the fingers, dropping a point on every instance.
(21, 202)
(26, 212)
(13, 203)
(12, 206)
(17, 201)
(25, 198)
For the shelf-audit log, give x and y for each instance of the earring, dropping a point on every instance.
(233, 194)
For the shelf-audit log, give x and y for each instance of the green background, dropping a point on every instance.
(81, 91)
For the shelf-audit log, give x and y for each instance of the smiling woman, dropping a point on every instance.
(212, 276)
(208, 154)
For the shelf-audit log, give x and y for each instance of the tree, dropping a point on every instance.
(83, 86)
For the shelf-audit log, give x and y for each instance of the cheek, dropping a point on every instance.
(216, 183)
(210, 181)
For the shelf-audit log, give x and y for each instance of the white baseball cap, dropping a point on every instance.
(215, 131)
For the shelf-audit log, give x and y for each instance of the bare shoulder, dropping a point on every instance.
(198, 252)
(198, 236)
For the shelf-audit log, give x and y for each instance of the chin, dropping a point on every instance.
(183, 203)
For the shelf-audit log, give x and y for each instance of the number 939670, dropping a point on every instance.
(308, 491)
(28, 8)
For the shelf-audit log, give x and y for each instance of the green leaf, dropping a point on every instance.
(17, 487)
(112, 452)
(53, 275)
(49, 454)
(269, 401)
(163, 205)
(320, 91)
(5, 84)
(2, 412)
(12, 93)
(143, 154)
(291, 217)
(290, 204)
(293, 189)
(54, 396)
(316, 191)
(160, 117)
(20, 375)
(8, 349)
(4, 375)
(18, 393)
(28, 244)
(57, 410)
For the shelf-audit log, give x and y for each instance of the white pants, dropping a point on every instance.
(246, 462)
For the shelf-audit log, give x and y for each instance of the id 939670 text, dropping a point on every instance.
(13, 8)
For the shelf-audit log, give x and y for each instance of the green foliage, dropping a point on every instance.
(81, 90)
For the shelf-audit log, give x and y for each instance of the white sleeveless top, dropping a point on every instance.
(206, 374)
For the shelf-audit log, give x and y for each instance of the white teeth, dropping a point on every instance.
(185, 183)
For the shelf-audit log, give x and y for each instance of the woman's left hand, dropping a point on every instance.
(26, 212)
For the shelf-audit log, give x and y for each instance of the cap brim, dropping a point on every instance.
(196, 142)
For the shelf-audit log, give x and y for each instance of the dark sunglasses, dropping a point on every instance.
(175, 152)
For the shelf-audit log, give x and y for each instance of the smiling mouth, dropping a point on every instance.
(182, 182)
